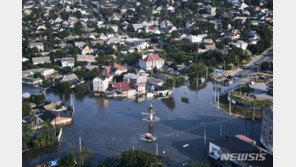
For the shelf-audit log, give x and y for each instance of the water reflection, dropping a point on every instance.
(101, 102)
(169, 102)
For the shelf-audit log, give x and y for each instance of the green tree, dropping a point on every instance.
(63, 87)
(137, 158)
(78, 28)
(37, 99)
(80, 89)
(26, 108)
(68, 160)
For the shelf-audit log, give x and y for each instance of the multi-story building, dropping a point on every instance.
(266, 136)
(137, 81)
(151, 61)
(101, 83)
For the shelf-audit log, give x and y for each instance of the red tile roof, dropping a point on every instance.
(122, 86)
(152, 57)
(108, 75)
(209, 47)
(115, 66)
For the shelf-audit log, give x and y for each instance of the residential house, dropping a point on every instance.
(153, 83)
(101, 83)
(196, 38)
(31, 81)
(151, 61)
(137, 81)
(115, 69)
(67, 62)
(41, 60)
(112, 26)
(86, 58)
(33, 119)
(44, 71)
(38, 45)
(124, 88)
(72, 79)
(240, 44)
(57, 117)
(86, 50)
(55, 106)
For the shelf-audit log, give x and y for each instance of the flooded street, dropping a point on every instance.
(109, 126)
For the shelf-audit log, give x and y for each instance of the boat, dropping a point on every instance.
(97, 94)
(149, 138)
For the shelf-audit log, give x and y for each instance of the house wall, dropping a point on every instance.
(67, 64)
(100, 86)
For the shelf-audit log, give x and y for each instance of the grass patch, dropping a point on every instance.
(239, 111)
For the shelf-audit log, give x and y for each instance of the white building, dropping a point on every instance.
(196, 38)
(151, 61)
(67, 62)
(241, 44)
(101, 82)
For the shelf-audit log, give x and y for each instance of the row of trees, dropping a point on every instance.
(129, 158)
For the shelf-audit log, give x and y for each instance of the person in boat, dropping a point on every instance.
(148, 136)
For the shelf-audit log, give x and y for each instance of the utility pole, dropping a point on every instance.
(205, 133)
(206, 72)
(218, 102)
(59, 118)
(253, 112)
(220, 130)
(133, 145)
(80, 145)
(229, 103)
(156, 145)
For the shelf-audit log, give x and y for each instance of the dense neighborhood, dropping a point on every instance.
(130, 48)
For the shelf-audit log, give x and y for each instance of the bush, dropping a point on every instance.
(37, 99)
(80, 89)
(63, 87)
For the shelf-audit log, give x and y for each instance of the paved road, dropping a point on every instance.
(255, 63)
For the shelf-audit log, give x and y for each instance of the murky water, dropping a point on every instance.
(109, 126)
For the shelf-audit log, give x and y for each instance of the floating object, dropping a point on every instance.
(185, 100)
(148, 137)
(185, 145)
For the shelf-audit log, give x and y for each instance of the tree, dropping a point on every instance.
(68, 160)
(80, 89)
(76, 160)
(137, 158)
(63, 87)
(78, 28)
(26, 108)
(37, 99)
(196, 164)
(195, 69)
